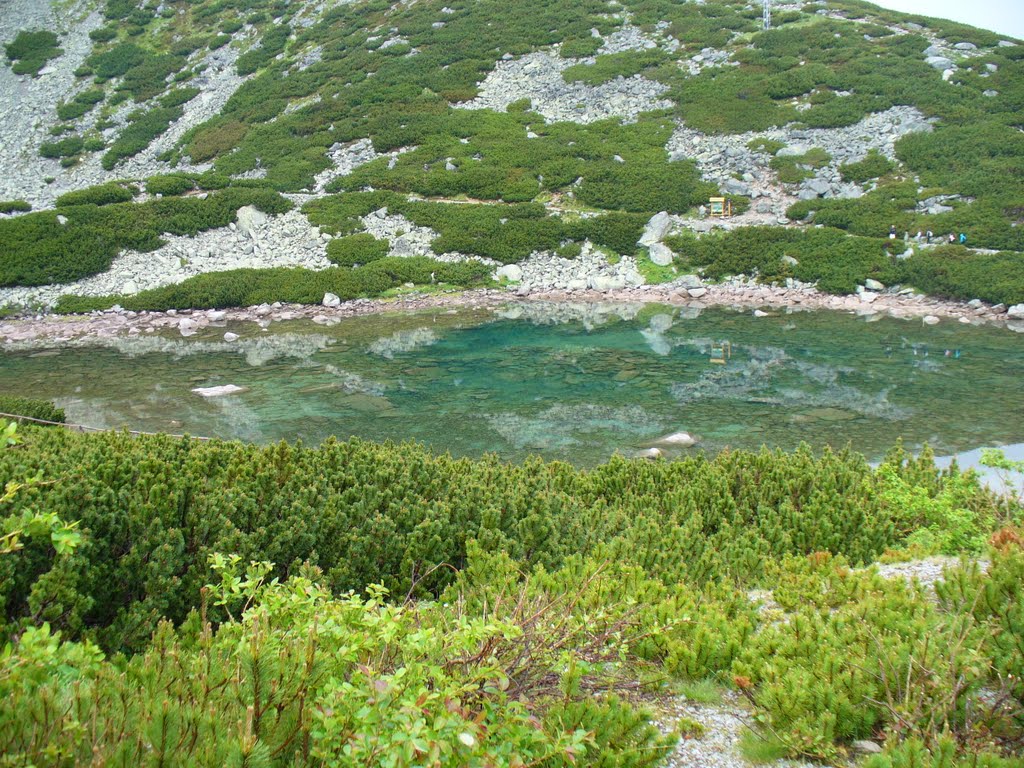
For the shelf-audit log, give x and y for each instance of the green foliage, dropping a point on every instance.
(792, 169)
(507, 233)
(80, 105)
(37, 249)
(30, 51)
(170, 184)
(871, 167)
(957, 273)
(142, 128)
(116, 61)
(34, 409)
(354, 250)
(611, 66)
(248, 287)
(102, 194)
(837, 262)
(14, 206)
(69, 147)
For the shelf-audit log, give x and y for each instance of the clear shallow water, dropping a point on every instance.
(571, 382)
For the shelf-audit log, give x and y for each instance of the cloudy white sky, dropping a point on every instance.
(1003, 16)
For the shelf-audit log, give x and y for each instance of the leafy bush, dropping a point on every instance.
(792, 169)
(30, 51)
(102, 194)
(31, 408)
(837, 262)
(36, 249)
(957, 273)
(80, 105)
(871, 167)
(116, 61)
(356, 249)
(14, 206)
(171, 184)
(68, 147)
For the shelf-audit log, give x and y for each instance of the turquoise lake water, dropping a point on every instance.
(572, 382)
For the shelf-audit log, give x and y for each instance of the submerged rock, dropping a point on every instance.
(224, 389)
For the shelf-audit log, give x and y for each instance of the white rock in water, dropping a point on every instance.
(225, 389)
(760, 313)
(683, 439)
(873, 285)
(649, 453)
(331, 300)
(1017, 310)
(187, 327)
(229, 336)
(511, 272)
(696, 293)
(930, 320)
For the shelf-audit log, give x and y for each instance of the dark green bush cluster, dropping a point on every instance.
(506, 233)
(30, 51)
(611, 66)
(14, 206)
(355, 250)
(102, 194)
(170, 184)
(836, 261)
(403, 510)
(957, 273)
(69, 147)
(31, 408)
(272, 43)
(792, 169)
(249, 287)
(36, 249)
(873, 166)
(80, 105)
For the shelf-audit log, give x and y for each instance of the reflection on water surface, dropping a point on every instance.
(573, 382)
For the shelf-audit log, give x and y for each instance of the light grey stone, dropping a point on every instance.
(939, 62)
(331, 300)
(511, 272)
(873, 285)
(656, 228)
(660, 254)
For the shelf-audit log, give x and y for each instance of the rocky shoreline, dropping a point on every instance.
(738, 293)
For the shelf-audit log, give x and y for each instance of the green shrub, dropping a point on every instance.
(792, 169)
(68, 147)
(170, 184)
(102, 194)
(580, 47)
(81, 104)
(14, 206)
(356, 249)
(955, 272)
(116, 61)
(142, 128)
(871, 167)
(31, 408)
(103, 34)
(36, 249)
(30, 51)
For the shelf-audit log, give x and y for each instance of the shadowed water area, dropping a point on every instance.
(572, 382)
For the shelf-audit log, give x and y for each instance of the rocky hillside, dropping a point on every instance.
(577, 143)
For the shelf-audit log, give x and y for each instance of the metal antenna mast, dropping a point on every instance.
(767, 4)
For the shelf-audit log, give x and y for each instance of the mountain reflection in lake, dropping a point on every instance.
(569, 381)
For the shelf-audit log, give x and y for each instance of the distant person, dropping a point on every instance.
(952, 238)
(963, 239)
(928, 237)
(892, 232)
(918, 236)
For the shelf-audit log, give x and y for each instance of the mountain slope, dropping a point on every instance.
(842, 114)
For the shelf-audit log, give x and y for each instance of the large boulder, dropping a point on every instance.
(660, 254)
(250, 220)
(511, 272)
(656, 229)
(939, 62)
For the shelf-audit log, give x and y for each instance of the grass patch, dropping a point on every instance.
(29, 51)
